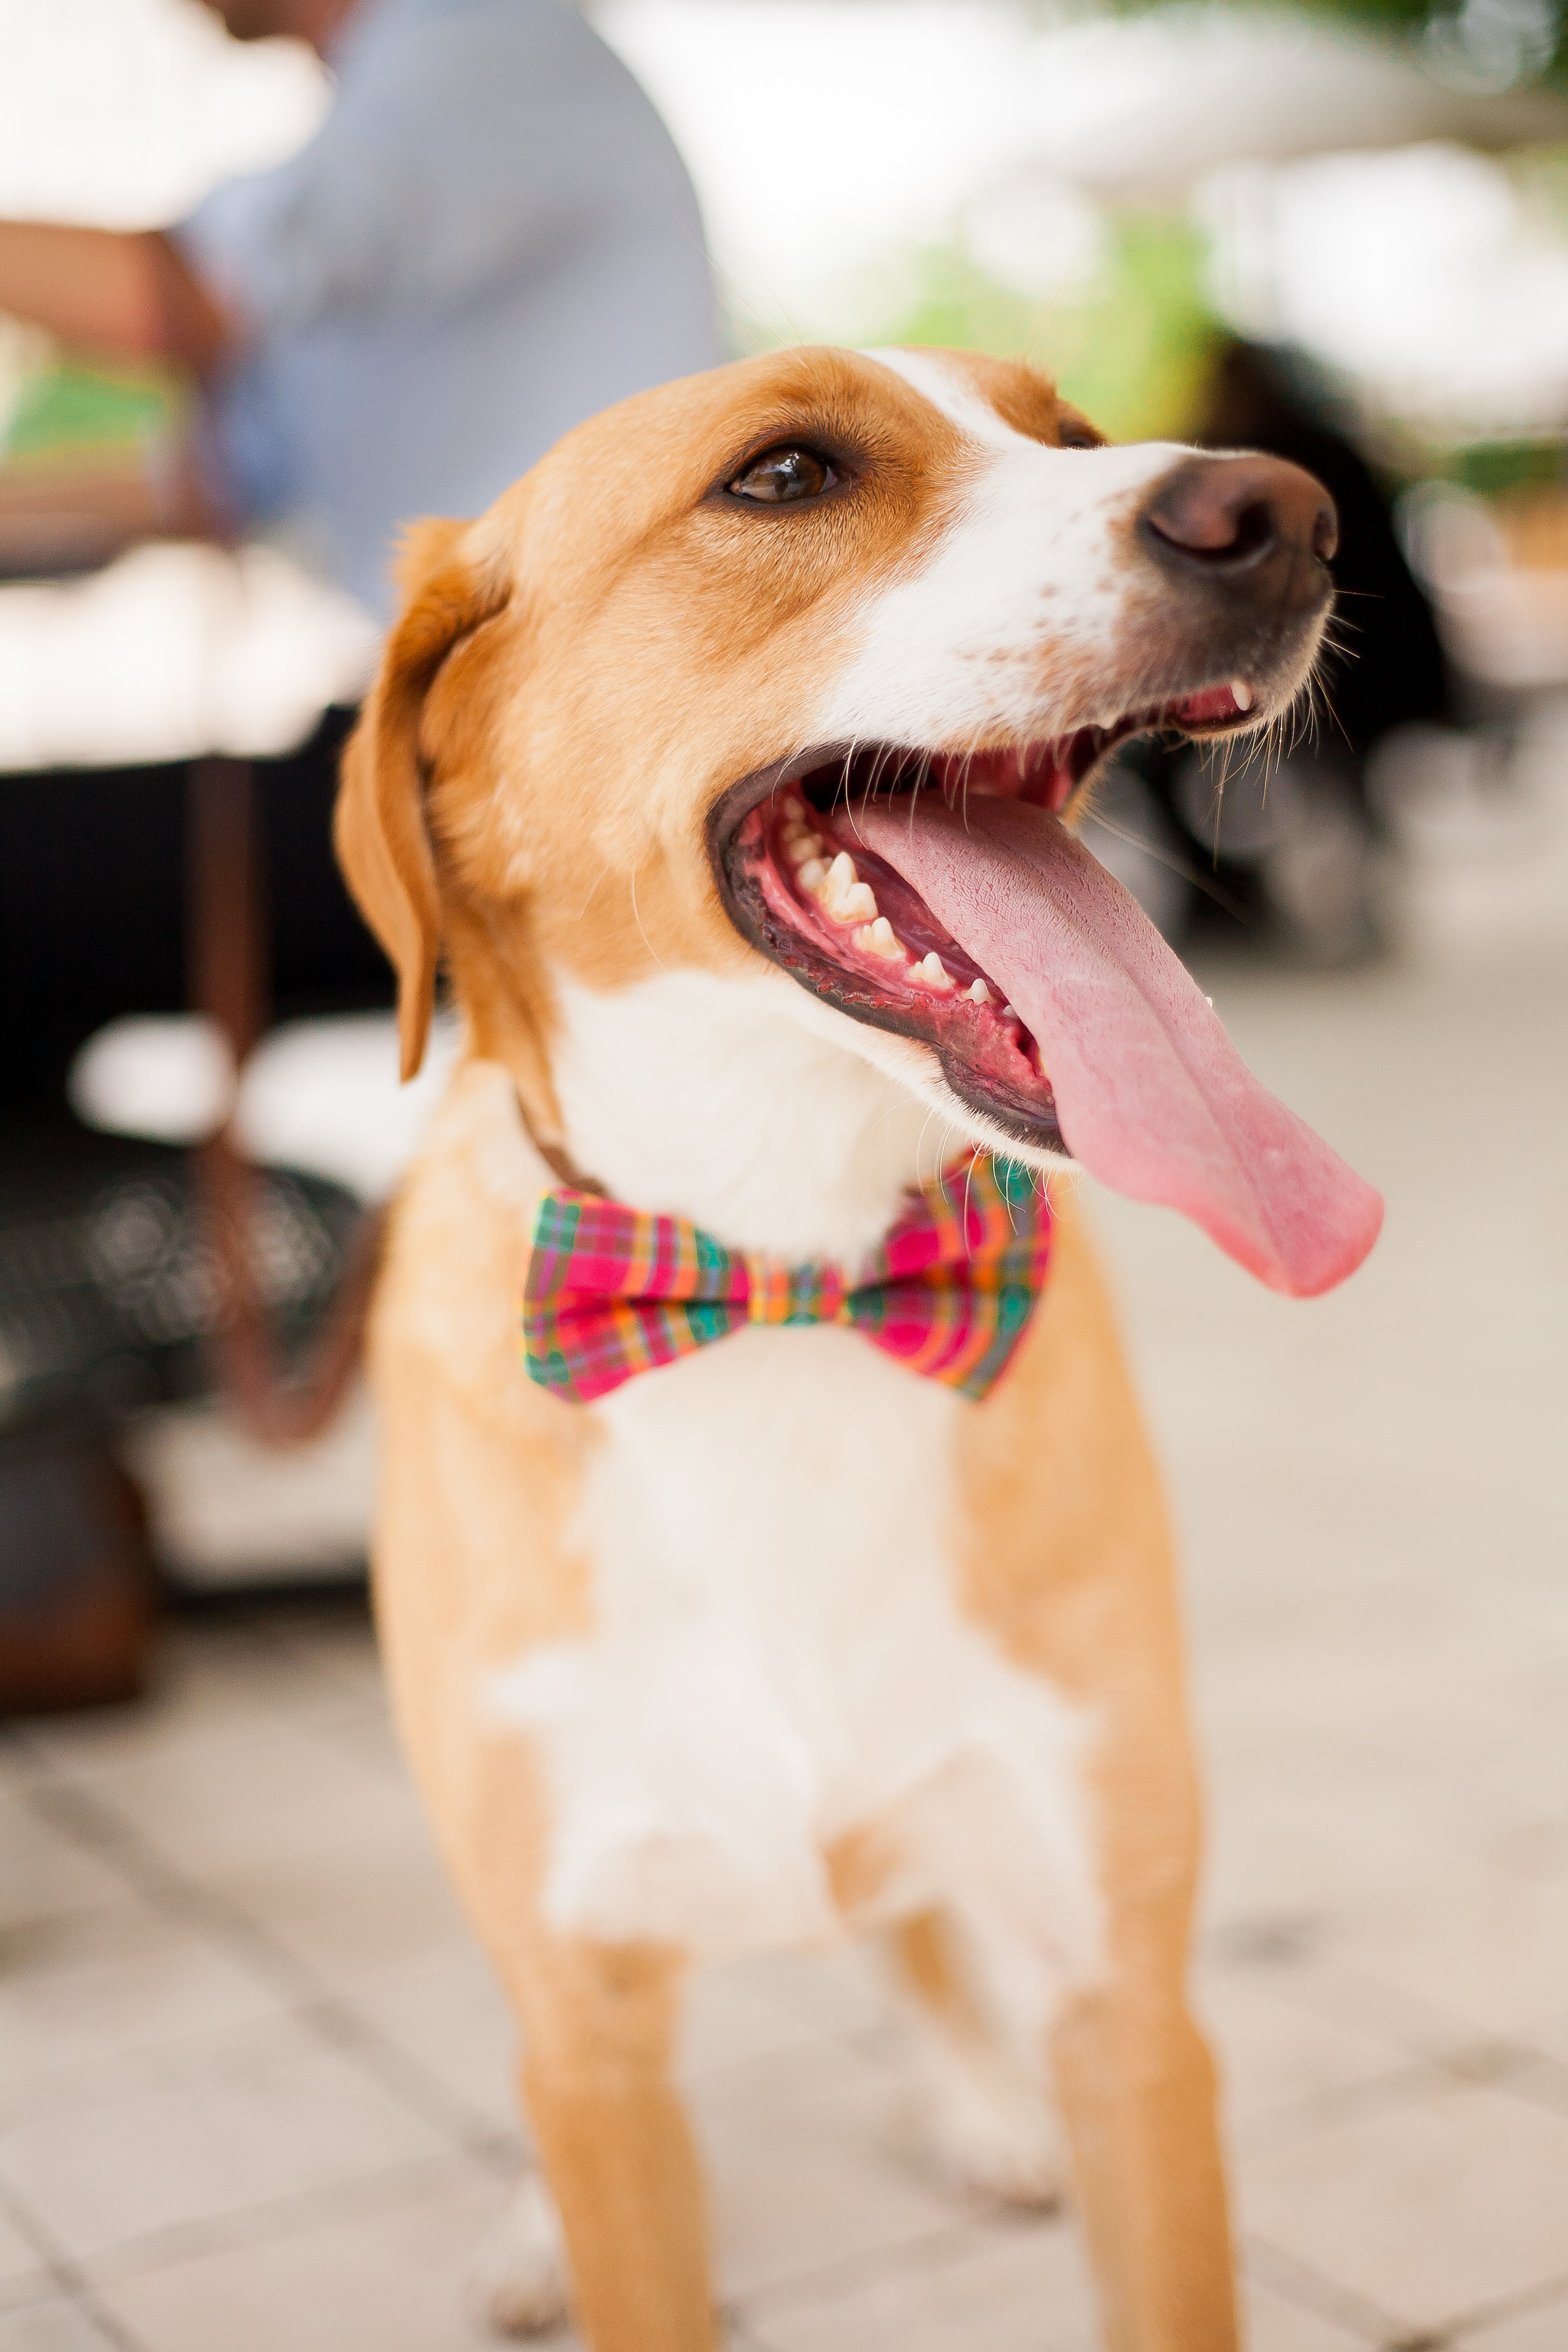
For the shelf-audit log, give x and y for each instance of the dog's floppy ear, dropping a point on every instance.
(382, 843)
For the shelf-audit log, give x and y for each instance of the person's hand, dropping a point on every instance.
(132, 294)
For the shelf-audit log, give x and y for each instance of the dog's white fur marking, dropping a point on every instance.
(954, 647)
(950, 390)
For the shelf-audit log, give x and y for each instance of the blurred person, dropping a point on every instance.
(490, 238)
(1387, 667)
(1283, 835)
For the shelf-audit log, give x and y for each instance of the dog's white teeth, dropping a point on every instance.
(1008, 1013)
(847, 898)
(798, 833)
(879, 939)
(931, 972)
(979, 994)
(812, 875)
(1241, 694)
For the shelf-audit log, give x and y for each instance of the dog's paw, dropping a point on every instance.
(989, 2135)
(516, 2283)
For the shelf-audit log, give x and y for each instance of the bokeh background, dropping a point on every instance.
(254, 2079)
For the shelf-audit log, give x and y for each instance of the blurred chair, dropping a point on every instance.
(112, 1274)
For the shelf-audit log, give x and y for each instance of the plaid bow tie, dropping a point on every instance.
(611, 1291)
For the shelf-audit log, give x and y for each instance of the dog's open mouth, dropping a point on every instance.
(941, 897)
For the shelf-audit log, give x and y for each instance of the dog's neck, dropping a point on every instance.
(708, 1099)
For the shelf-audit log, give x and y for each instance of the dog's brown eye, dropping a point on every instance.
(783, 475)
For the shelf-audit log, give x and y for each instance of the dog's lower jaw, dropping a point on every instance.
(953, 1124)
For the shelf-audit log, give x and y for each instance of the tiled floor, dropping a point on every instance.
(253, 2078)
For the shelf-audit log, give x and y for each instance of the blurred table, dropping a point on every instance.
(213, 659)
(175, 652)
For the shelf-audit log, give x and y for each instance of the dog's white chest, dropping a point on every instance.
(779, 1670)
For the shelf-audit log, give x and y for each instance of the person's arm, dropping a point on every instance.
(130, 293)
(132, 296)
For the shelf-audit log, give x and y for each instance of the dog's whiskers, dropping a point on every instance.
(638, 918)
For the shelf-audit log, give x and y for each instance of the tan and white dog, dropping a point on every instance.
(724, 761)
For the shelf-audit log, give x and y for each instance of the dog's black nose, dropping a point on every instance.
(1249, 520)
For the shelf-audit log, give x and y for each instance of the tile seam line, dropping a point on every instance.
(1519, 2305)
(1503, 2065)
(1546, 2096)
(92, 1824)
(68, 2280)
(933, 2249)
(1451, 2035)
(1277, 2129)
(1297, 2282)
(274, 2221)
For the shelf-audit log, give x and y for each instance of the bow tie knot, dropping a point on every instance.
(611, 1291)
(776, 1293)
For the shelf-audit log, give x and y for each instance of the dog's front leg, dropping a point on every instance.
(599, 2026)
(1133, 2074)
(1136, 2087)
(465, 1584)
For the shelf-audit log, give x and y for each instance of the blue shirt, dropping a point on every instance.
(490, 238)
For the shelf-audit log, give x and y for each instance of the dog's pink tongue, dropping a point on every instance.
(1151, 1094)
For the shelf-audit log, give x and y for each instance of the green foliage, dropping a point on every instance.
(1144, 349)
(1494, 468)
(1132, 351)
(74, 409)
(1542, 54)
(1389, 15)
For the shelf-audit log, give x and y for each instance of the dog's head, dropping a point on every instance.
(801, 665)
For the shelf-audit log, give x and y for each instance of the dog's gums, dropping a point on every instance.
(838, 914)
(804, 885)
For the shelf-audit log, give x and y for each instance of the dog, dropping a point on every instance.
(729, 763)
